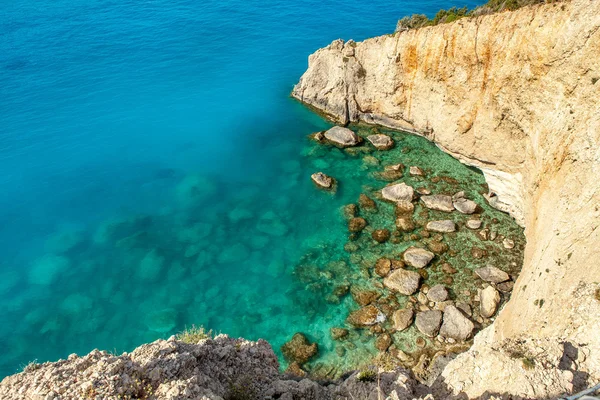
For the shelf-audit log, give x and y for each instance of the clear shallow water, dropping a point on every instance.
(154, 172)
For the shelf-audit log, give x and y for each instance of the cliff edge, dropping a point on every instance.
(516, 95)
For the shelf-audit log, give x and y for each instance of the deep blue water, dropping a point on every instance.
(129, 131)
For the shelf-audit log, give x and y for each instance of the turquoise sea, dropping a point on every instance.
(155, 174)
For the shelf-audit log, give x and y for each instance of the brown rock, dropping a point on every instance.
(338, 333)
(299, 349)
(363, 296)
(383, 341)
(366, 316)
(383, 267)
(381, 235)
(403, 319)
(366, 203)
(357, 224)
(295, 369)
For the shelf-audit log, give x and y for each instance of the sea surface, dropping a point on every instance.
(155, 173)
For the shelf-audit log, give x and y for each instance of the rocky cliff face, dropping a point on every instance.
(516, 95)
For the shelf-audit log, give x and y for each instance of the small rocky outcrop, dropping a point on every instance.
(366, 316)
(429, 322)
(489, 299)
(400, 192)
(402, 319)
(443, 226)
(403, 281)
(383, 266)
(456, 325)
(342, 137)
(299, 349)
(322, 181)
(363, 296)
(417, 257)
(438, 202)
(381, 141)
(492, 274)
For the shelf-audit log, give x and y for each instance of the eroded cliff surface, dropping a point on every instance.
(515, 94)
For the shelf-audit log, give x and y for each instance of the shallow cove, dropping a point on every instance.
(152, 174)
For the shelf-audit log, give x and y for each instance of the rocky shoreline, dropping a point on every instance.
(426, 256)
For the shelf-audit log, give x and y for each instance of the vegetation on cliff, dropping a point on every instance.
(444, 16)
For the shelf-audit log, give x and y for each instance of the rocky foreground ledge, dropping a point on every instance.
(217, 369)
(516, 95)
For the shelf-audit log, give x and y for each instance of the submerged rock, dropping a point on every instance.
(403, 281)
(383, 267)
(366, 316)
(489, 299)
(405, 223)
(437, 293)
(417, 257)
(474, 224)
(381, 141)
(299, 349)
(463, 205)
(365, 203)
(400, 192)
(383, 341)
(402, 319)
(416, 171)
(357, 224)
(363, 296)
(381, 235)
(342, 137)
(338, 333)
(321, 180)
(456, 325)
(438, 202)
(443, 226)
(428, 322)
(492, 274)
(271, 224)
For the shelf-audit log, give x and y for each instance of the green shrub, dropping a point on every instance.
(193, 335)
(366, 375)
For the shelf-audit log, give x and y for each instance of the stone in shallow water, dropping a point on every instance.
(474, 223)
(381, 142)
(428, 322)
(151, 266)
(489, 300)
(365, 203)
(456, 325)
(463, 205)
(403, 319)
(338, 333)
(508, 243)
(383, 267)
(343, 137)
(443, 226)
(416, 171)
(322, 180)
(235, 253)
(383, 341)
(364, 296)
(357, 224)
(437, 293)
(366, 316)
(400, 192)
(405, 223)
(299, 349)
(417, 257)
(492, 274)
(381, 235)
(438, 202)
(403, 281)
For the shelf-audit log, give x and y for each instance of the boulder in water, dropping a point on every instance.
(428, 322)
(299, 349)
(403, 281)
(417, 257)
(400, 192)
(342, 137)
(381, 141)
(438, 202)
